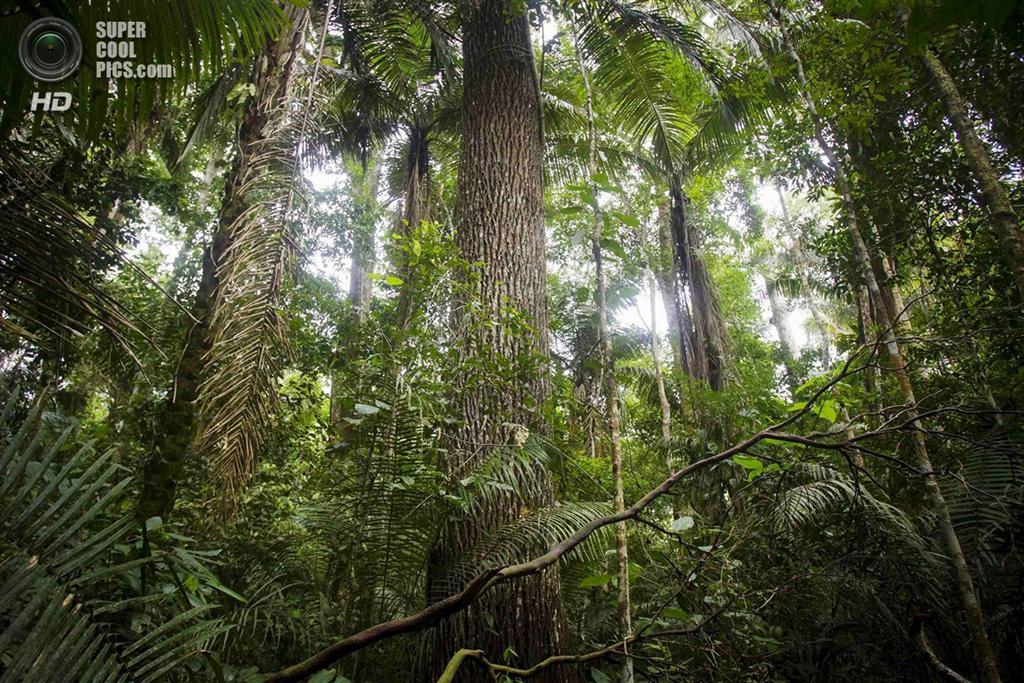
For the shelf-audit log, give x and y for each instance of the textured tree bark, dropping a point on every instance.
(415, 209)
(500, 226)
(984, 656)
(993, 195)
(175, 424)
(612, 413)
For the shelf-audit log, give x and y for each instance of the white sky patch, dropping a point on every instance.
(153, 235)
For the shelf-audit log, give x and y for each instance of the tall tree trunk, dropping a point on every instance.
(659, 378)
(613, 415)
(363, 242)
(415, 209)
(501, 226)
(1004, 219)
(778, 307)
(706, 340)
(366, 183)
(650, 258)
(984, 656)
(175, 424)
(664, 272)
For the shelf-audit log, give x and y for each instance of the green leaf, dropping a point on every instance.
(631, 221)
(614, 247)
(675, 613)
(393, 280)
(747, 462)
(827, 411)
(596, 580)
(600, 676)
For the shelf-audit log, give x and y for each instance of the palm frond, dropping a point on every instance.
(247, 339)
(48, 257)
(60, 520)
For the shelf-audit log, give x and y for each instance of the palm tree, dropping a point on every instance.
(233, 331)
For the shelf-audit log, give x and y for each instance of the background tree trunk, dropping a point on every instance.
(984, 656)
(777, 304)
(613, 416)
(803, 272)
(1004, 219)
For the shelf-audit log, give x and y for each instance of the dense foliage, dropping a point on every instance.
(569, 340)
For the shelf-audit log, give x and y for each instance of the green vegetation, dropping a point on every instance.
(476, 340)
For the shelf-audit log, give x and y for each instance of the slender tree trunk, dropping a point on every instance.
(1004, 219)
(501, 226)
(659, 378)
(175, 424)
(666, 283)
(366, 183)
(777, 304)
(363, 242)
(612, 413)
(984, 657)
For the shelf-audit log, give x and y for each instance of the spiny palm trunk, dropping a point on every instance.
(500, 225)
(1004, 218)
(984, 657)
(175, 424)
(613, 415)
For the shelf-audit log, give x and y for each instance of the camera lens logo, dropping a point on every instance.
(50, 49)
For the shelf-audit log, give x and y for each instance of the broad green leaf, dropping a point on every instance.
(596, 580)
